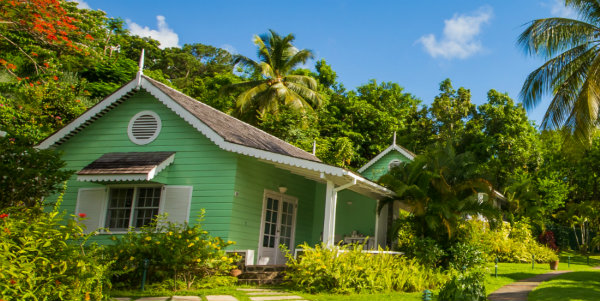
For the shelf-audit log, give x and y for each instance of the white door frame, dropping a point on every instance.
(278, 257)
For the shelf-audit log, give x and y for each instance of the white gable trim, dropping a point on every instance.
(385, 152)
(85, 117)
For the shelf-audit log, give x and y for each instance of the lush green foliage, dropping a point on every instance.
(27, 175)
(509, 243)
(348, 269)
(44, 256)
(174, 252)
(442, 190)
(465, 287)
(465, 256)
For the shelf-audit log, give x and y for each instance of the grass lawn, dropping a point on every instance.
(582, 284)
(511, 272)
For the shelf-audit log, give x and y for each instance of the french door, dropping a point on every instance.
(277, 227)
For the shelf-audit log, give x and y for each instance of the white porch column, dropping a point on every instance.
(329, 220)
(330, 207)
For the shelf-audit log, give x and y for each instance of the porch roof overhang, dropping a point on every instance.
(126, 166)
(339, 177)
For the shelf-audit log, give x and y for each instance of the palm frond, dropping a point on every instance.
(305, 93)
(549, 37)
(247, 97)
(307, 81)
(544, 79)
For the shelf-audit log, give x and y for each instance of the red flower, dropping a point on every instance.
(55, 77)
(82, 215)
(3, 215)
(6, 230)
(89, 37)
(12, 281)
(34, 54)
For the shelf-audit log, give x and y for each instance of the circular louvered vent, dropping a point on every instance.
(144, 127)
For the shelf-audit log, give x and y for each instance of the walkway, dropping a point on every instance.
(255, 294)
(518, 291)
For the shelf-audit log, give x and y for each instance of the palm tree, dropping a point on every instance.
(274, 83)
(571, 72)
(441, 190)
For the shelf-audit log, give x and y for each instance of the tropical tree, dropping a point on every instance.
(570, 73)
(274, 83)
(441, 189)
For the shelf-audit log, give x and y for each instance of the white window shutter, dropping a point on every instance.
(92, 202)
(176, 203)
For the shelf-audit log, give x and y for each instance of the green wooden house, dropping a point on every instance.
(148, 149)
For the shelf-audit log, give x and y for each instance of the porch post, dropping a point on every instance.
(329, 220)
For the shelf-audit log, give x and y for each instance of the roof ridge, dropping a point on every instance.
(153, 81)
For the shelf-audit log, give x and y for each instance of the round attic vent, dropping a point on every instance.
(394, 163)
(144, 127)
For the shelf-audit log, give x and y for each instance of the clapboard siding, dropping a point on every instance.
(252, 178)
(379, 168)
(198, 161)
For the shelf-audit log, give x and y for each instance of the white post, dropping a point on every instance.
(329, 220)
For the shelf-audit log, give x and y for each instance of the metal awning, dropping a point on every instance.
(129, 166)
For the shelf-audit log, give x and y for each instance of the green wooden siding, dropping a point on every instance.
(198, 161)
(357, 216)
(252, 178)
(379, 168)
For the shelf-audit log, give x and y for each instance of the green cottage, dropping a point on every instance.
(148, 149)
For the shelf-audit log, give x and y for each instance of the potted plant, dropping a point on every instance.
(547, 238)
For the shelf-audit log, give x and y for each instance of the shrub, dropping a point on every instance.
(426, 251)
(43, 257)
(348, 269)
(465, 287)
(547, 239)
(465, 256)
(27, 175)
(174, 251)
(509, 243)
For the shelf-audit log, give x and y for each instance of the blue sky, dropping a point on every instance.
(416, 44)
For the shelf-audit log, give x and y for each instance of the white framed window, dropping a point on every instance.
(394, 163)
(144, 127)
(132, 207)
(120, 207)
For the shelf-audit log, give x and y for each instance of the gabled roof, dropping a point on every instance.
(226, 132)
(408, 154)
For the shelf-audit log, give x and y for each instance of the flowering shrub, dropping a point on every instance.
(43, 257)
(348, 269)
(174, 251)
(548, 240)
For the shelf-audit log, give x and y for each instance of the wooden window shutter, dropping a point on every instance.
(92, 202)
(176, 203)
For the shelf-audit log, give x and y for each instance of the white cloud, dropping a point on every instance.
(165, 35)
(460, 36)
(558, 9)
(81, 4)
